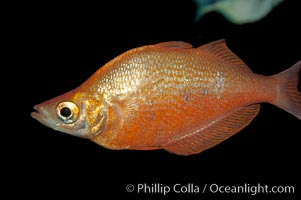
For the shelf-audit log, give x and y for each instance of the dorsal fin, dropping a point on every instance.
(174, 45)
(213, 134)
(221, 51)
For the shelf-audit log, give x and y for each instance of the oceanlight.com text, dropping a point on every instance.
(212, 188)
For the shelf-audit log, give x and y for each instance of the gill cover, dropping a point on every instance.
(96, 117)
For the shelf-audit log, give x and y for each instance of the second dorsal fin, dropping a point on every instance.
(175, 45)
(220, 50)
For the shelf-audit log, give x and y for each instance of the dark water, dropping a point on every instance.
(61, 45)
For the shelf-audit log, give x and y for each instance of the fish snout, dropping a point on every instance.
(37, 114)
(41, 115)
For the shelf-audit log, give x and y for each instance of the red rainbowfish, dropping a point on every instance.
(169, 96)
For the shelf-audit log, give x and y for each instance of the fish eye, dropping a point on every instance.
(67, 112)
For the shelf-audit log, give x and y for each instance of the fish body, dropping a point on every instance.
(169, 96)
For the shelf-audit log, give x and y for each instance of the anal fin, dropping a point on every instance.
(214, 133)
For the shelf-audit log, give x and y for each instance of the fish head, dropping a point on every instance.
(73, 113)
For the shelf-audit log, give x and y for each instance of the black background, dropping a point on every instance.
(60, 45)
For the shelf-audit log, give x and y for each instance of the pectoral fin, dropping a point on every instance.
(214, 133)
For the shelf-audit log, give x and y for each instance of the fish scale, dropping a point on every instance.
(170, 91)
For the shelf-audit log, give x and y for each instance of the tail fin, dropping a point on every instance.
(288, 97)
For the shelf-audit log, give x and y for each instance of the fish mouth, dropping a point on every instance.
(39, 115)
(36, 115)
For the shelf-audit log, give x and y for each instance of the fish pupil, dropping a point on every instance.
(65, 112)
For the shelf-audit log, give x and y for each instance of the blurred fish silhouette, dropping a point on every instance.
(237, 11)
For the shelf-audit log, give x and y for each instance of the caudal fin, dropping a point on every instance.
(288, 97)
